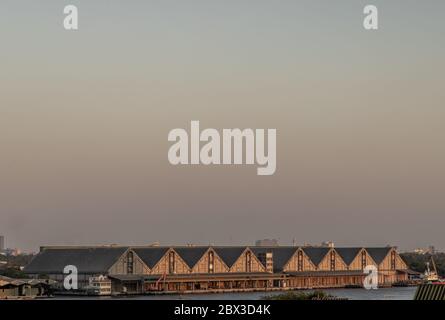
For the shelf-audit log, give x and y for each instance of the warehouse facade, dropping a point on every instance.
(139, 270)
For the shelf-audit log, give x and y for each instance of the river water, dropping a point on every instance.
(399, 293)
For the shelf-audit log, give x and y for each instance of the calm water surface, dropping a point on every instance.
(402, 293)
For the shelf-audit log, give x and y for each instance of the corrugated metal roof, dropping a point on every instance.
(86, 260)
(316, 254)
(378, 254)
(128, 277)
(4, 281)
(229, 254)
(348, 254)
(191, 255)
(151, 255)
(209, 276)
(326, 273)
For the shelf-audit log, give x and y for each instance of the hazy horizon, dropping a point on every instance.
(84, 119)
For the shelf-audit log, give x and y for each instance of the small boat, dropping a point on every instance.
(431, 276)
(99, 286)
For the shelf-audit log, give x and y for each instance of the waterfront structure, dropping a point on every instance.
(220, 268)
(430, 291)
(23, 288)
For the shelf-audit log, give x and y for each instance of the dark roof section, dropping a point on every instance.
(213, 276)
(130, 277)
(229, 254)
(98, 260)
(151, 256)
(378, 254)
(316, 254)
(281, 255)
(411, 272)
(87, 260)
(191, 255)
(348, 254)
(327, 273)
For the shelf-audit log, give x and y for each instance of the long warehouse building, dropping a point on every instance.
(148, 269)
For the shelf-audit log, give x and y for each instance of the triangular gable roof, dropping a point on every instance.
(191, 255)
(229, 254)
(316, 254)
(348, 254)
(86, 260)
(151, 256)
(281, 255)
(378, 254)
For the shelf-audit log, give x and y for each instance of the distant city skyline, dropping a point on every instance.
(85, 117)
(431, 249)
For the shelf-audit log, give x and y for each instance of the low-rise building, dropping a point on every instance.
(24, 288)
(217, 268)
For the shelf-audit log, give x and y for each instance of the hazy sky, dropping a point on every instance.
(84, 119)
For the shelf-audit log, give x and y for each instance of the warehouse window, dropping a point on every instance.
(211, 261)
(300, 261)
(171, 262)
(393, 260)
(332, 260)
(130, 262)
(364, 260)
(248, 261)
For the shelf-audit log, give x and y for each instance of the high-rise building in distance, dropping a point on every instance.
(2, 243)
